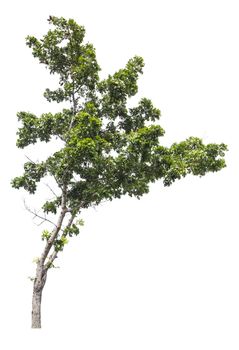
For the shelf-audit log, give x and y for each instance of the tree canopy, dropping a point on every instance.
(109, 150)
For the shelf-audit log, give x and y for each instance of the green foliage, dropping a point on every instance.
(50, 265)
(80, 222)
(45, 235)
(72, 231)
(33, 174)
(60, 243)
(51, 206)
(108, 150)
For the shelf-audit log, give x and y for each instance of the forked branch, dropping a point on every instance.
(57, 228)
(35, 213)
(53, 256)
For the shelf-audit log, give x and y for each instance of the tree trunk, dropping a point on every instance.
(39, 284)
(36, 308)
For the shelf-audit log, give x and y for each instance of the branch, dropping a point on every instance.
(30, 160)
(51, 190)
(53, 256)
(41, 223)
(34, 212)
(63, 198)
(74, 101)
(55, 232)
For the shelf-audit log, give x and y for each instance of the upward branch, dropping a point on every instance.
(53, 256)
(55, 232)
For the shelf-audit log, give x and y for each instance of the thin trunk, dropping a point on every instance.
(36, 309)
(39, 284)
(42, 268)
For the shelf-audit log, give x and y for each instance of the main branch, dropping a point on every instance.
(53, 256)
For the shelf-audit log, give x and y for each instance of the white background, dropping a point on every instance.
(159, 273)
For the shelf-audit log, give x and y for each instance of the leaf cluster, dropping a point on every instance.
(109, 149)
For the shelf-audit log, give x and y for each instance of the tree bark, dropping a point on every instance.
(42, 268)
(36, 308)
(39, 284)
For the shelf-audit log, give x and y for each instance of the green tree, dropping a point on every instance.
(108, 149)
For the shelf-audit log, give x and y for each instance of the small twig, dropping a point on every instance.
(51, 190)
(41, 223)
(30, 159)
(37, 215)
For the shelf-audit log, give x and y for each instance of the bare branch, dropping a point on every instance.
(51, 260)
(51, 190)
(70, 222)
(41, 223)
(35, 213)
(30, 159)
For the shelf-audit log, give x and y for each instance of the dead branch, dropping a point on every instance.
(35, 213)
(52, 191)
(30, 159)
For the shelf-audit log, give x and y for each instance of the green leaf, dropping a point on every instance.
(45, 235)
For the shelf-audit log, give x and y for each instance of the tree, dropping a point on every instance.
(108, 149)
